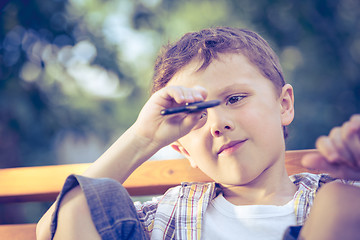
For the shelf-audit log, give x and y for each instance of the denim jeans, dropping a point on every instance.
(112, 210)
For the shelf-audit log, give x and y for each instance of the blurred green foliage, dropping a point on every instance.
(74, 74)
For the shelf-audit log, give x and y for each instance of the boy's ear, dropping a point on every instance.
(180, 149)
(287, 104)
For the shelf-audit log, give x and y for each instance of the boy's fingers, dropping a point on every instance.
(355, 118)
(185, 95)
(180, 95)
(351, 137)
(341, 147)
(171, 94)
(339, 153)
(188, 95)
(199, 93)
(327, 148)
(336, 149)
(316, 161)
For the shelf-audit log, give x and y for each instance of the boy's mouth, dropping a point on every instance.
(231, 147)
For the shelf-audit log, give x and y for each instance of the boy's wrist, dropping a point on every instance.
(128, 152)
(142, 143)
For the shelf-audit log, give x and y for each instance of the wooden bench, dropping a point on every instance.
(43, 183)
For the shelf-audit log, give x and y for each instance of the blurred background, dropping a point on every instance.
(75, 73)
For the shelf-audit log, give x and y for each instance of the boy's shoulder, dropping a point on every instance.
(311, 181)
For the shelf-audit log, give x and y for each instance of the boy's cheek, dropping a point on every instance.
(262, 121)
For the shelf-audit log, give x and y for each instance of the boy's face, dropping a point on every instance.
(242, 138)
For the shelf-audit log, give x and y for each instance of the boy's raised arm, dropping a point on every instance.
(146, 136)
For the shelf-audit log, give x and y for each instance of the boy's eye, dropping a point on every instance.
(234, 99)
(203, 115)
(202, 120)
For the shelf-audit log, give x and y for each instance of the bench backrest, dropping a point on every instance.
(153, 177)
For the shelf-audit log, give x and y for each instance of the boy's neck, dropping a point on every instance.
(270, 188)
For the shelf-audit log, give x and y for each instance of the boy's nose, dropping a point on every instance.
(220, 123)
(218, 133)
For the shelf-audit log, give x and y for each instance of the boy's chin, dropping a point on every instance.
(236, 181)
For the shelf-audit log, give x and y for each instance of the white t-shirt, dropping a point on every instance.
(224, 220)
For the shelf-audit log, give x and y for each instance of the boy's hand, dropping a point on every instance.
(339, 153)
(163, 130)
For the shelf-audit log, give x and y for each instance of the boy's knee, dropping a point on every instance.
(74, 219)
(328, 204)
(335, 214)
(338, 194)
(337, 207)
(339, 200)
(330, 193)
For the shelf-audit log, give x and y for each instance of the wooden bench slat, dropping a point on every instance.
(153, 177)
(44, 183)
(293, 161)
(35, 183)
(18, 231)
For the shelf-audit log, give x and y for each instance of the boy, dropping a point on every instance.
(239, 144)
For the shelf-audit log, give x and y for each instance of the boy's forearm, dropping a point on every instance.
(118, 162)
(123, 157)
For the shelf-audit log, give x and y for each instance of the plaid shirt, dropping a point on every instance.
(179, 212)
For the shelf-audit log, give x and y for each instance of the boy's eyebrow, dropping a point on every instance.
(234, 87)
